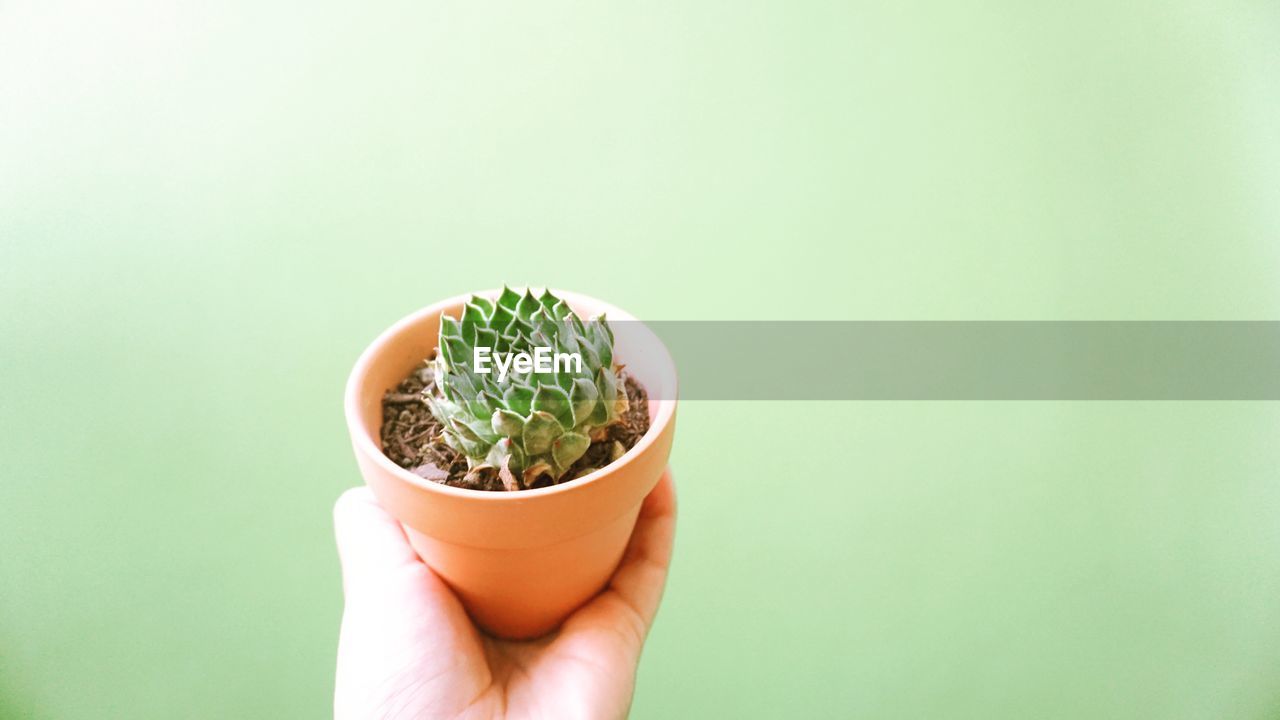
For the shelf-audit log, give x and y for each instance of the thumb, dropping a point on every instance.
(400, 623)
(371, 544)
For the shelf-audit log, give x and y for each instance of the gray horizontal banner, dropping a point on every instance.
(836, 360)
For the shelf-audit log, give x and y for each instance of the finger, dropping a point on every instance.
(641, 577)
(371, 543)
(400, 623)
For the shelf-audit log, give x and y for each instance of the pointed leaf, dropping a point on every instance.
(585, 396)
(594, 330)
(519, 327)
(473, 450)
(456, 352)
(527, 306)
(547, 379)
(506, 455)
(555, 401)
(561, 310)
(522, 342)
(509, 298)
(449, 326)
(548, 300)
(607, 383)
(590, 357)
(566, 337)
(471, 444)
(596, 334)
(540, 338)
(539, 430)
(516, 456)
(568, 448)
(451, 439)
(507, 423)
(445, 354)
(565, 381)
(599, 415)
(498, 454)
(606, 354)
(492, 401)
(622, 404)
(542, 329)
(501, 318)
(519, 398)
(472, 318)
(486, 338)
(440, 408)
(474, 431)
(460, 387)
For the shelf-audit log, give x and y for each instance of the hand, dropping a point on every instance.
(408, 650)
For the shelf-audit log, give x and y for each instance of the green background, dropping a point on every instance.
(207, 210)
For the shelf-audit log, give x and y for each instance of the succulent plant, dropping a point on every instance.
(522, 425)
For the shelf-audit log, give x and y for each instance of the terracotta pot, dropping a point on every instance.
(521, 562)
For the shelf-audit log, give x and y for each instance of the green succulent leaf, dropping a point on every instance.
(451, 439)
(442, 408)
(527, 306)
(590, 356)
(491, 401)
(585, 398)
(486, 338)
(566, 333)
(564, 380)
(607, 383)
(473, 430)
(449, 326)
(567, 448)
(472, 319)
(508, 423)
(467, 444)
(509, 298)
(554, 401)
(501, 318)
(519, 398)
(560, 309)
(506, 451)
(461, 384)
(456, 351)
(605, 349)
(601, 340)
(539, 430)
(608, 331)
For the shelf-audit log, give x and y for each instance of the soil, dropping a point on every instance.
(411, 437)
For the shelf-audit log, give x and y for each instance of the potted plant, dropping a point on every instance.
(516, 472)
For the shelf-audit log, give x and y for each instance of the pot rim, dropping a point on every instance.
(363, 437)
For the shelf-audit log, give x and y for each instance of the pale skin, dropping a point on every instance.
(408, 650)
